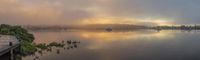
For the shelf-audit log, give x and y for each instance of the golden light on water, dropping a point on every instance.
(111, 36)
(101, 39)
(107, 36)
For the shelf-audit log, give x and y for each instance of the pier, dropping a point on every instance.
(8, 44)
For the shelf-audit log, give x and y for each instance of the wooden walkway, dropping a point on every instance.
(5, 44)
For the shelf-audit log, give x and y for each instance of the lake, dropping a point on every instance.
(119, 45)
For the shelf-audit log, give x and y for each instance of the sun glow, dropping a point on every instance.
(127, 21)
(162, 22)
(107, 21)
(159, 21)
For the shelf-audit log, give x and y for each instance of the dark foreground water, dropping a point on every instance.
(132, 45)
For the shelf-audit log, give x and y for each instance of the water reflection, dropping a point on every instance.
(95, 41)
(44, 48)
(11, 57)
(47, 48)
(131, 45)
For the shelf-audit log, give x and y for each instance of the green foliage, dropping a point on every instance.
(42, 46)
(22, 35)
(26, 39)
(27, 48)
(46, 46)
(56, 44)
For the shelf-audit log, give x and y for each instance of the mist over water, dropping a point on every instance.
(102, 29)
(132, 45)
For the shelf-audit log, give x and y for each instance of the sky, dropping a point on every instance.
(64, 12)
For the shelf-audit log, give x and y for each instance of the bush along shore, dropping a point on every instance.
(26, 39)
(27, 47)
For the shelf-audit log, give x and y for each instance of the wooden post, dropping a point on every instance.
(11, 55)
(11, 51)
(10, 44)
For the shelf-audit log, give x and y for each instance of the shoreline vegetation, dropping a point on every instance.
(26, 39)
(28, 47)
(110, 27)
(181, 27)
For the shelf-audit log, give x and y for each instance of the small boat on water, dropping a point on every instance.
(109, 29)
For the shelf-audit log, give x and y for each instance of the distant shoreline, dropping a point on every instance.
(111, 27)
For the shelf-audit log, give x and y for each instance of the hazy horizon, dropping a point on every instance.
(72, 12)
(100, 29)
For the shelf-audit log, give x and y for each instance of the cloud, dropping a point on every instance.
(17, 12)
(73, 11)
(181, 11)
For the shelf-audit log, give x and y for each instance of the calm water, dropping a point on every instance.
(134, 45)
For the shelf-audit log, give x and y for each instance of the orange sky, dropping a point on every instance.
(55, 12)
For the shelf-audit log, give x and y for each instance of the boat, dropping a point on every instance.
(109, 29)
